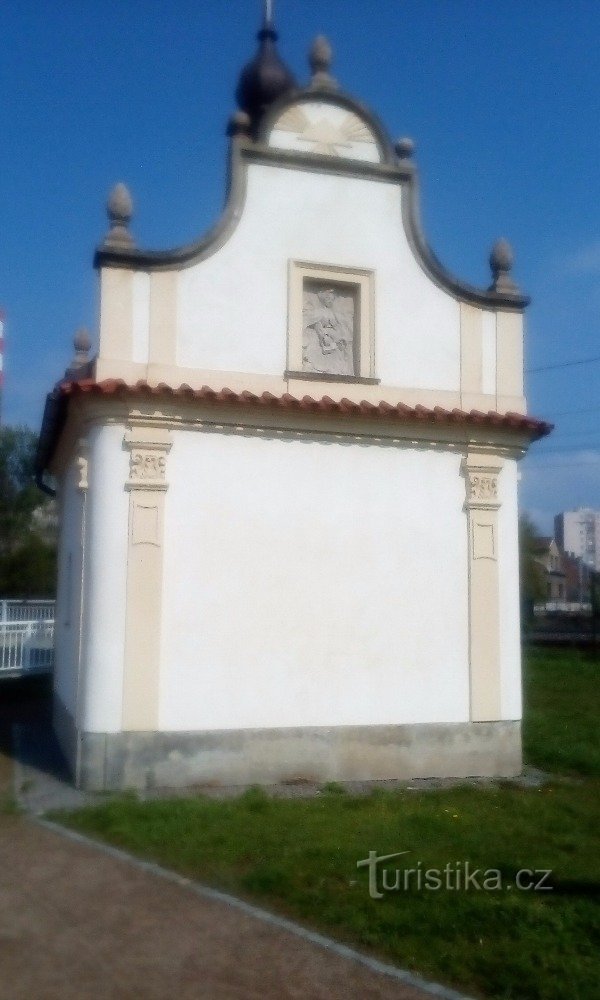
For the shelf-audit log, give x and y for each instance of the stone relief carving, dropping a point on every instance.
(326, 135)
(483, 487)
(148, 448)
(147, 465)
(328, 329)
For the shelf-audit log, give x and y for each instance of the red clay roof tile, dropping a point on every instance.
(400, 412)
(324, 404)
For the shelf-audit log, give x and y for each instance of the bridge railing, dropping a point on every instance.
(26, 643)
(17, 611)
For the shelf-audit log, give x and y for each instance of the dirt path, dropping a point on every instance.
(76, 922)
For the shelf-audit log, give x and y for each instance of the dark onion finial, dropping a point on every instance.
(265, 78)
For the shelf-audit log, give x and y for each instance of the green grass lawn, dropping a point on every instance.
(562, 721)
(298, 856)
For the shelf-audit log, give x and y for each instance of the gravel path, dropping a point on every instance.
(76, 922)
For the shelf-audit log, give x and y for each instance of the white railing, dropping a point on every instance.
(26, 645)
(567, 607)
(26, 611)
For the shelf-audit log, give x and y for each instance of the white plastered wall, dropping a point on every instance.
(229, 313)
(232, 307)
(309, 582)
(105, 585)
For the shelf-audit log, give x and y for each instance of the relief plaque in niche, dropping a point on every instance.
(329, 328)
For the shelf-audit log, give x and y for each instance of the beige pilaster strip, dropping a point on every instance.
(147, 486)
(470, 351)
(163, 317)
(116, 313)
(481, 474)
(509, 354)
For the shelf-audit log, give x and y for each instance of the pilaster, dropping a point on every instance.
(116, 314)
(481, 474)
(147, 485)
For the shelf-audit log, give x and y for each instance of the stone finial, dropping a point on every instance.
(404, 148)
(501, 262)
(119, 208)
(320, 58)
(82, 343)
(240, 123)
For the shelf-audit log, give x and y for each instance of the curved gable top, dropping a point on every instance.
(330, 123)
(321, 129)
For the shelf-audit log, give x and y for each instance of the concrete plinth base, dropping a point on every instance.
(112, 761)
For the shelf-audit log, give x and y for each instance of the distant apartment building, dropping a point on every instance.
(577, 532)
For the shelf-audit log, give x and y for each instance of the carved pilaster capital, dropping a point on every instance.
(481, 478)
(148, 448)
(81, 464)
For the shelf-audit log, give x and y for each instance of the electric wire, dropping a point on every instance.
(563, 364)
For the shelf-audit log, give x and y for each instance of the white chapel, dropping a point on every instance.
(287, 478)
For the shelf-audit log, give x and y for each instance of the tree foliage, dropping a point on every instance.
(27, 555)
(533, 583)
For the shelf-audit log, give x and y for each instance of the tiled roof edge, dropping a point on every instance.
(323, 404)
(267, 400)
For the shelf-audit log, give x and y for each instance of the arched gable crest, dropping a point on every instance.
(328, 123)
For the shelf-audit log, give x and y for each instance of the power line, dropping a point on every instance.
(559, 465)
(572, 445)
(582, 432)
(541, 465)
(555, 442)
(568, 413)
(564, 364)
(573, 449)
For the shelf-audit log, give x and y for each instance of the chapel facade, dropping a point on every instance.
(288, 477)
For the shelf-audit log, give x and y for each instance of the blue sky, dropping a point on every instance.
(503, 101)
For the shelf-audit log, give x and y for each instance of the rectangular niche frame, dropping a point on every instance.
(361, 284)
